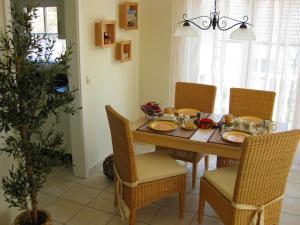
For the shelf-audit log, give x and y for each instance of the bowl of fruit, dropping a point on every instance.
(151, 109)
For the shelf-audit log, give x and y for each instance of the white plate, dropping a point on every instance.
(162, 126)
(235, 136)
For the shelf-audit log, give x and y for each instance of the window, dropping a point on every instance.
(269, 63)
(50, 22)
(272, 62)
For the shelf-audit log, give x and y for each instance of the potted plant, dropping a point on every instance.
(28, 98)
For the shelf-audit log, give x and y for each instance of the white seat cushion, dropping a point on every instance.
(157, 165)
(223, 180)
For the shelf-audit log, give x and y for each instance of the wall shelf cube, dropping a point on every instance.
(105, 33)
(124, 51)
(129, 15)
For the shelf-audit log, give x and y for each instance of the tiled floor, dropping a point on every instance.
(73, 201)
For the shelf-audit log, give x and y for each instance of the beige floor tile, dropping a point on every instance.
(170, 216)
(88, 216)
(294, 177)
(191, 202)
(56, 223)
(56, 186)
(67, 174)
(62, 170)
(97, 180)
(104, 201)
(117, 220)
(189, 187)
(293, 190)
(207, 221)
(57, 170)
(62, 210)
(287, 219)
(81, 194)
(147, 213)
(110, 188)
(291, 206)
(209, 211)
(44, 199)
(161, 201)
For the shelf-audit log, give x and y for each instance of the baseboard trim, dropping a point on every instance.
(98, 167)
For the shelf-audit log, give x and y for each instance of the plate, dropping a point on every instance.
(188, 112)
(190, 128)
(253, 119)
(162, 126)
(235, 136)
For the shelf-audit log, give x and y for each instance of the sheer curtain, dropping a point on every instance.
(272, 62)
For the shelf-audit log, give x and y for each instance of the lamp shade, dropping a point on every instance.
(186, 31)
(243, 34)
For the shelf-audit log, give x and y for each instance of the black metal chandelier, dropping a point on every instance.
(215, 21)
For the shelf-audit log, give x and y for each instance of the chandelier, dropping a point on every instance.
(223, 23)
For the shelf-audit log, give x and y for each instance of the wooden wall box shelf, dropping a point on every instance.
(124, 51)
(103, 28)
(128, 17)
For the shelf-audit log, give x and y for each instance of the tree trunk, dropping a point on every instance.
(28, 213)
(29, 171)
(25, 136)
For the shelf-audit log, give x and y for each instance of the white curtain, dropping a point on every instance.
(272, 62)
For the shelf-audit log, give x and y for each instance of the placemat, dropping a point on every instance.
(216, 138)
(179, 132)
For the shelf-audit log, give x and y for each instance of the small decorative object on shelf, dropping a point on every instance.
(151, 109)
(107, 38)
(108, 167)
(123, 51)
(105, 33)
(129, 15)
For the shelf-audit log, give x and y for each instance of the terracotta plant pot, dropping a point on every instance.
(43, 217)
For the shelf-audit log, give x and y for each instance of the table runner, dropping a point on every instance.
(216, 138)
(179, 132)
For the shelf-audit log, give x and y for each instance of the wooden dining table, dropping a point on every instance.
(197, 143)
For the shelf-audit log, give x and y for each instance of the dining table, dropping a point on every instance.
(198, 142)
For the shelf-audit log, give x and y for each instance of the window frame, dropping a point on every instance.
(59, 4)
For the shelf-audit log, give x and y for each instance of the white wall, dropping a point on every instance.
(110, 82)
(155, 49)
(75, 122)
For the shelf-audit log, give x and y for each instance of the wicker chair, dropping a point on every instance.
(142, 179)
(248, 102)
(195, 96)
(255, 189)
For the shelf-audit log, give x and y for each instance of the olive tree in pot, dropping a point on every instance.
(27, 99)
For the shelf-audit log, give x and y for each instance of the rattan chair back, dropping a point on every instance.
(249, 102)
(264, 167)
(123, 147)
(196, 96)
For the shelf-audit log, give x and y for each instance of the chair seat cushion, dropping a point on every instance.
(223, 180)
(157, 165)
